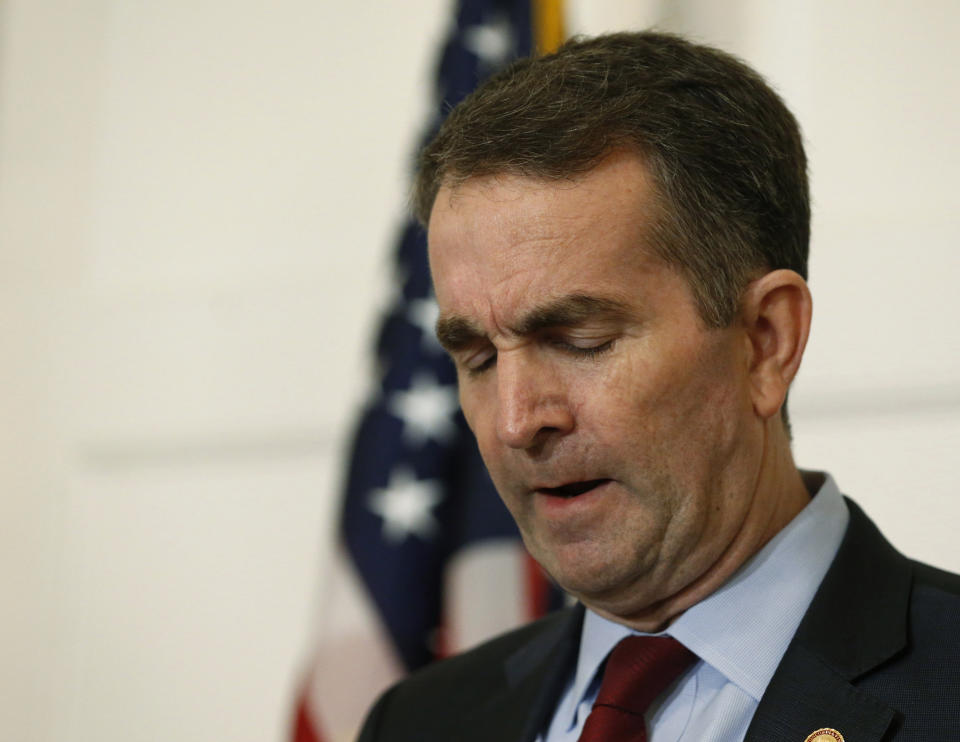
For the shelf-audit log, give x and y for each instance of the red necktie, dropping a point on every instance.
(638, 670)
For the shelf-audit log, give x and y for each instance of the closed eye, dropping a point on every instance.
(583, 351)
(475, 367)
(483, 364)
(480, 363)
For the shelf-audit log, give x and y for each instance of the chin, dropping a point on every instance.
(590, 576)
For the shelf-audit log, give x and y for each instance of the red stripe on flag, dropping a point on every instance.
(441, 641)
(304, 728)
(538, 589)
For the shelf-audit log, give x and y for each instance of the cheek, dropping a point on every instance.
(679, 404)
(710, 413)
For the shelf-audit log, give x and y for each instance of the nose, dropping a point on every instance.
(532, 405)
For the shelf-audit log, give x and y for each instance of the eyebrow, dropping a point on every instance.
(456, 333)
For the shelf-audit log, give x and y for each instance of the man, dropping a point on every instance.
(618, 239)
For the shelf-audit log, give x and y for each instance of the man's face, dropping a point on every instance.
(618, 430)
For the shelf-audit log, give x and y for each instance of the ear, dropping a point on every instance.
(776, 312)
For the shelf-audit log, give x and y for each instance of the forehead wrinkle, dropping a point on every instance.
(572, 309)
(456, 332)
(509, 194)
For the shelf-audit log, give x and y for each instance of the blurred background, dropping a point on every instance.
(197, 206)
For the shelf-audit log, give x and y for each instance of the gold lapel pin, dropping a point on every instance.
(825, 735)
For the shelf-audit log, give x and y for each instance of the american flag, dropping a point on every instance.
(428, 561)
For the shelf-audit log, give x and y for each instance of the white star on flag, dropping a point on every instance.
(424, 313)
(426, 409)
(406, 506)
(490, 41)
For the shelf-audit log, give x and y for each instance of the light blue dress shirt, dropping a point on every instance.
(739, 633)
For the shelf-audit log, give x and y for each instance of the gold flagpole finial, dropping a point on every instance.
(548, 25)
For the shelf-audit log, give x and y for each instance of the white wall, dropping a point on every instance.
(196, 205)
(196, 200)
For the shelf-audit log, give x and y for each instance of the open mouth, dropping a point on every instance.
(573, 489)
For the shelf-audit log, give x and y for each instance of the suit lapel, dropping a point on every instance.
(805, 694)
(535, 677)
(857, 620)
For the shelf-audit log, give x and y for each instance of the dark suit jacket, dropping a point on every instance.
(876, 657)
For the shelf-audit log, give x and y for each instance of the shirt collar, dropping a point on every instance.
(743, 628)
